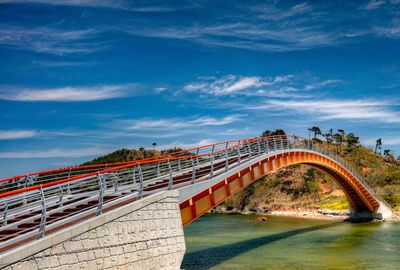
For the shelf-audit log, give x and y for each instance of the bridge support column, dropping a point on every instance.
(146, 234)
(381, 213)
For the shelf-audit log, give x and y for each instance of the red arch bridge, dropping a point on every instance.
(39, 204)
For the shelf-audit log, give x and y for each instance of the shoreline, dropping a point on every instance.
(306, 214)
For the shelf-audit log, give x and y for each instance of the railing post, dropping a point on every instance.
(5, 213)
(282, 147)
(60, 200)
(101, 194)
(116, 182)
(239, 156)
(179, 165)
(259, 147)
(133, 175)
(42, 226)
(275, 144)
(170, 179)
(197, 158)
(193, 172)
(158, 170)
(25, 185)
(226, 160)
(248, 146)
(68, 185)
(212, 166)
(141, 182)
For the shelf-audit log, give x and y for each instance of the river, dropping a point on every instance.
(235, 242)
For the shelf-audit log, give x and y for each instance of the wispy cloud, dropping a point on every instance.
(279, 86)
(17, 134)
(114, 4)
(185, 145)
(56, 152)
(374, 4)
(357, 110)
(179, 123)
(275, 26)
(81, 3)
(386, 140)
(69, 94)
(245, 35)
(50, 40)
(63, 63)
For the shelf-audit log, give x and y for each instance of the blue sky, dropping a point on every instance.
(82, 78)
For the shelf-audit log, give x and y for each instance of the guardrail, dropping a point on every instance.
(32, 211)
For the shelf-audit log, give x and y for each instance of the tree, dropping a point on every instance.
(387, 153)
(316, 131)
(329, 137)
(339, 138)
(154, 145)
(273, 133)
(378, 145)
(352, 141)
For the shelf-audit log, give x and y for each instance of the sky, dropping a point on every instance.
(82, 78)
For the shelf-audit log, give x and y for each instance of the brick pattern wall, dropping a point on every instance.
(149, 238)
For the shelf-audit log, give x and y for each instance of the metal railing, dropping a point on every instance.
(30, 211)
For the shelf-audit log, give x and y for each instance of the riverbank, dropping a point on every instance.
(307, 214)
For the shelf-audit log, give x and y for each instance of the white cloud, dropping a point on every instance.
(226, 85)
(362, 110)
(69, 94)
(84, 3)
(179, 123)
(17, 134)
(114, 4)
(186, 145)
(53, 153)
(278, 86)
(50, 40)
(245, 35)
(374, 4)
(392, 31)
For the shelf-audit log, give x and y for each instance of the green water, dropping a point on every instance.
(235, 242)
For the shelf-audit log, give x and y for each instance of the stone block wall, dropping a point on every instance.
(146, 234)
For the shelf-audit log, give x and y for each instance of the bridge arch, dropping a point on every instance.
(197, 200)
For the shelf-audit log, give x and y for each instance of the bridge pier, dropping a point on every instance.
(383, 212)
(146, 234)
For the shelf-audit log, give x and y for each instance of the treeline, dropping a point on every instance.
(348, 140)
(124, 155)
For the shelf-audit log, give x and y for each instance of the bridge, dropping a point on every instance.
(130, 214)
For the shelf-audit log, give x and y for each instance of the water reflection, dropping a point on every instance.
(232, 242)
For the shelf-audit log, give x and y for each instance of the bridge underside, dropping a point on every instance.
(201, 201)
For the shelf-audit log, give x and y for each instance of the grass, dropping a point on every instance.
(338, 203)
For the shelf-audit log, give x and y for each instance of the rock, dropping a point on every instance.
(260, 219)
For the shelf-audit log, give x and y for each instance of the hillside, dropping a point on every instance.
(303, 187)
(123, 155)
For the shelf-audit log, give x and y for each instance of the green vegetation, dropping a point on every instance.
(123, 155)
(334, 203)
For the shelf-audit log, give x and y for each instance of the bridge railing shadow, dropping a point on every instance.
(207, 258)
